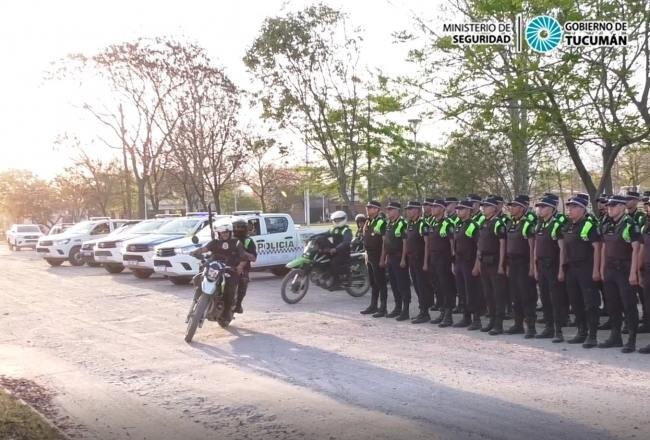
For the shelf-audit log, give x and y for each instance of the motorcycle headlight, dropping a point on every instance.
(212, 274)
(62, 242)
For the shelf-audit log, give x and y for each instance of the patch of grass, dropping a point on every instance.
(20, 422)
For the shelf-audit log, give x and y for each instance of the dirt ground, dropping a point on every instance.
(110, 350)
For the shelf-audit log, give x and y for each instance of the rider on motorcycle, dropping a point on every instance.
(240, 231)
(357, 242)
(228, 250)
(340, 252)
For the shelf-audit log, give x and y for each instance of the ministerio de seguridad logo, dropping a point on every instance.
(542, 33)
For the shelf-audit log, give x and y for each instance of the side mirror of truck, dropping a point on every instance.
(195, 239)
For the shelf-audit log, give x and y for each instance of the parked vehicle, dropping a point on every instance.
(108, 250)
(314, 266)
(138, 253)
(55, 249)
(20, 236)
(87, 247)
(59, 228)
(278, 242)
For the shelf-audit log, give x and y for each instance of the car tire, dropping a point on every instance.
(180, 281)
(75, 257)
(54, 263)
(142, 273)
(113, 268)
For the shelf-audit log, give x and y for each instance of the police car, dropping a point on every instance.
(277, 238)
(108, 251)
(55, 249)
(138, 253)
(20, 236)
(87, 247)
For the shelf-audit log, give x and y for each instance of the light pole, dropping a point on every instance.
(306, 203)
(414, 125)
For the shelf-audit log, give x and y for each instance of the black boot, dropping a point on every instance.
(559, 337)
(489, 326)
(644, 327)
(395, 312)
(517, 328)
(465, 322)
(447, 320)
(404, 315)
(614, 339)
(440, 317)
(630, 345)
(372, 308)
(422, 317)
(581, 336)
(497, 328)
(530, 328)
(645, 350)
(476, 323)
(593, 316)
(607, 325)
(381, 312)
(547, 333)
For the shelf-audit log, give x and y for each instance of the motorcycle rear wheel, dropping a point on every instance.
(359, 279)
(294, 286)
(197, 316)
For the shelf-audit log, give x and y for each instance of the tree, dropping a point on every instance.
(308, 64)
(23, 196)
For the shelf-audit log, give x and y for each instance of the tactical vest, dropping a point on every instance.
(338, 232)
(394, 238)
(440, 231)
(577, 246)
(517, 237)
(546, 239)
(373, 235)
(488, 238)
(618, 239)
(645, 231)
(465, 241)
(415, 232)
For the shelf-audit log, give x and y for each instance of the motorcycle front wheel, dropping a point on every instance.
(197, 316)
(359, 279)
(294, 286)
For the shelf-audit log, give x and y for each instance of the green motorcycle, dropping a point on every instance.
(314, 266)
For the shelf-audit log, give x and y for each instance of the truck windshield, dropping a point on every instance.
(181, 226)
(82, 227)
(28, 229)
(149, 225)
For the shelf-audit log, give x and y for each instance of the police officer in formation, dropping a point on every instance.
(472, 255)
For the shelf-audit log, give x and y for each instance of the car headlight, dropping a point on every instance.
(185, 250)
(62, 242)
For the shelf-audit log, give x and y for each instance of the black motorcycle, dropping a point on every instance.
(314, 266)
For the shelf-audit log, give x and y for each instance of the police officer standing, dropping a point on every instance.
(620, 273)
(416, 231)
(491, 259)
(393, 256)
(373, 232)
(438, 248)
(548, 232)
(520, 266)
(638, 216)
(644, 258)
(427, 216)
(465, 267)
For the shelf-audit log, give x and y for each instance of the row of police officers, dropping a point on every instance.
(484, 257)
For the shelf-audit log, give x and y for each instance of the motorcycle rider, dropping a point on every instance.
(340, 252)
(240, 231)
(228, 250)
(357, 241)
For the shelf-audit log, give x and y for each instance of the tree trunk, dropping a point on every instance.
(141, 198)
(606, 180)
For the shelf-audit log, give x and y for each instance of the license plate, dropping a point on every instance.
(100, 258)
(135, 263)
(87, 254)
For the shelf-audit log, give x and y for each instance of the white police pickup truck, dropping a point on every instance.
(138, 253)
(87, 247)
(277, 238)
(55, 249)
(20, 236)
(108, 250)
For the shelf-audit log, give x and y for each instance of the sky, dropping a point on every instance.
(33, 34)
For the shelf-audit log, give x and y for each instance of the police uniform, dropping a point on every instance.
(639, 218)
(645, 263)
(491, 233)
(373, 240)
(465, 248)
(416, 231)
(430, 275)
(231, 253)
(602, 220)
(340, 262)
(520, 283)
(440, 232)
(547, 262)
(618, 238)
(242, 287)
(398, 276)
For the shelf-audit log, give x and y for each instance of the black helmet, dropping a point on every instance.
(360, 218)
(240, 226)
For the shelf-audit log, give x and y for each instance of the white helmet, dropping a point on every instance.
(339, 218)
(222, 227)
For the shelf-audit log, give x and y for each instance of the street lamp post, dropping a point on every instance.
(414, 125)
